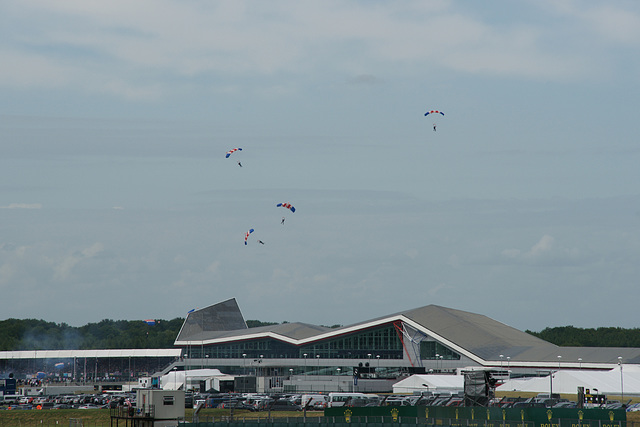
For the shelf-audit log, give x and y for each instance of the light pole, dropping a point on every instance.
(501, 356)
(305, 364)
(559, 359)
(508, 371)
(621, 383)
(338, 371)
(579, 362)
(175, 377)
(437, 358)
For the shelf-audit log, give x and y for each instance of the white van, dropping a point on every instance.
(10, 398)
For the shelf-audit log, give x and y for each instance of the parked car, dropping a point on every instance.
(62, 406)
(89, 406)
(284, 405)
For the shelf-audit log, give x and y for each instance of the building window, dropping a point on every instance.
(429, 349)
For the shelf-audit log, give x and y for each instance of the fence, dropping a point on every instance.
(366, 421)
(391, 421)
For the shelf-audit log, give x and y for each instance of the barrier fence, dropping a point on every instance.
(390, 421)
(399, 416)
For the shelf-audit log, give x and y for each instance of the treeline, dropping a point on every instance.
(32, 334)
(570, 336)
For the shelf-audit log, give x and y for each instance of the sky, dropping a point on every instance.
(117, 201)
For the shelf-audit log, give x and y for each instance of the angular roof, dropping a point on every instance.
(476, 336)
(480, 335)
(201, 323)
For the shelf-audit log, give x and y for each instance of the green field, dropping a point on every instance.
(101, 418)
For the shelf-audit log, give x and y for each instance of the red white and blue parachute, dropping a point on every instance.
(231, 152)
(59, 365)
(433, 112)
(150, 322)
(246, 235)
(287, 206)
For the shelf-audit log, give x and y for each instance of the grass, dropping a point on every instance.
(101, 418)
(54, 417)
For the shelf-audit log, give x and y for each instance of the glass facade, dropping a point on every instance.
(381, 341)
(432, 350)
(250, 349)
(377, 343)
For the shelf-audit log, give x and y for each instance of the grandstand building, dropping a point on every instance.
(367, 356)
(429, 339)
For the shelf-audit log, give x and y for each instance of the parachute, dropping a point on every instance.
(231, 152)
(433, 112)
(246, 235)
(150, 322)
(59, 365)
(287, 206)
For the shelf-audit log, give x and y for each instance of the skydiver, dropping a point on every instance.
(282, 222)
(239, 164)
(261, 242)
(434, 127)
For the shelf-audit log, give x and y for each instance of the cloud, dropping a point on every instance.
(22, 206)
(62, 267)
(136, 50)
(543, 246)
(511, 253)
(610, 22)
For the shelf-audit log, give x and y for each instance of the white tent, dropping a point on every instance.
(620, 380)
(433, 383)
(175, 380)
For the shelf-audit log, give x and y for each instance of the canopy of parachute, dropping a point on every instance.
(231, 152)
(433, 112)
(287, 206)
(246, 235)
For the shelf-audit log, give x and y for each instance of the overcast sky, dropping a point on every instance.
(117, 201)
